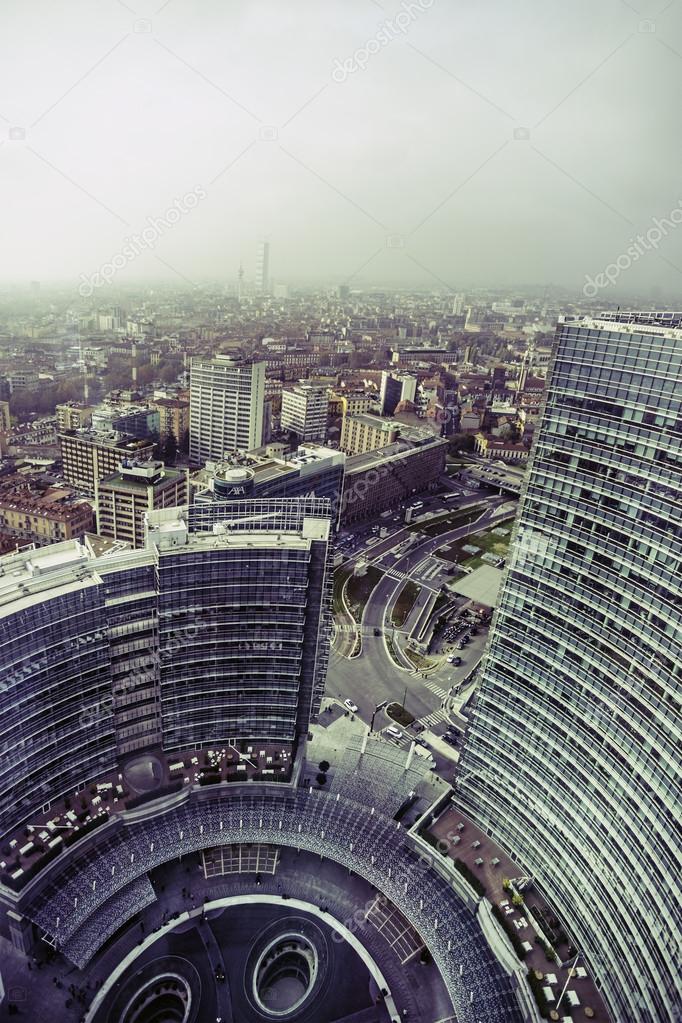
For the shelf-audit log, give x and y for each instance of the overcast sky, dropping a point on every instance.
(481, 143)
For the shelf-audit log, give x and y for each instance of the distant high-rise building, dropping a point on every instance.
(73, 415)
(23, 380)
(572, 756)
(110, 320)
(458, 305)
(124, 498)
(351, 403)
(499, 381)
(305, 411)
(396, 387)
(263, 268)
(89, 457)
(173, 417)
(131, 420)
(363, 433)
(5, 426)
(226, 407)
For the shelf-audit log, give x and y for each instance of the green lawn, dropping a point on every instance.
(486, 541)
(340, 577)
(404, 603)
(448, 520)
(399, 714)
(419, 662)
(359, 588)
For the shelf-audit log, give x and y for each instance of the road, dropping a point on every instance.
(373, 676)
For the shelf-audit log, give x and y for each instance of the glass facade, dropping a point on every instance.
(217, 631)
(572, 757)
(244, 629)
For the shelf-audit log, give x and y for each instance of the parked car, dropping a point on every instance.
(352, 707)
(450, 739)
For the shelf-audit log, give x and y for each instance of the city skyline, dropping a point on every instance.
(340, 529)
(307, 640)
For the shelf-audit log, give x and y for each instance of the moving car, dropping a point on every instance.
(394, 732)
(352, 707)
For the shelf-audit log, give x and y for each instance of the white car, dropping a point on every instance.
(394, 732)
(352, 707)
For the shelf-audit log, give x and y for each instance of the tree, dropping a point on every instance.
(169, 448)
(461, 442)
(321, 779)
(170, 370)
(324, 766)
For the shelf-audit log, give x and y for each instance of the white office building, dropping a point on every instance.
(226, 407)
(305, 410)
(263, 268)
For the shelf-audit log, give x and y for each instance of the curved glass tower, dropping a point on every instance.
(217, 632)
(572, 757)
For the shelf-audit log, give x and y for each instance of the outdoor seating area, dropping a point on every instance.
(491, 865)
(32, 846)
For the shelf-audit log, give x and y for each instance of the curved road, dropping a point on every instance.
(373, 676)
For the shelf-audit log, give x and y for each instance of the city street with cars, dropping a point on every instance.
(376, 670)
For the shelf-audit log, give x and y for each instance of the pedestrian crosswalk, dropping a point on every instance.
(435, 718)
(393, 573)
(435, 688)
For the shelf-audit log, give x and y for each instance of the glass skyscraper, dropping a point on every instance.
(571, 760)
(217, 632)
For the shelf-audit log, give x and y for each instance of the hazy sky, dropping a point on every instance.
(480, 143)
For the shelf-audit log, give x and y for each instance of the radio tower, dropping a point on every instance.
(83, 369)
